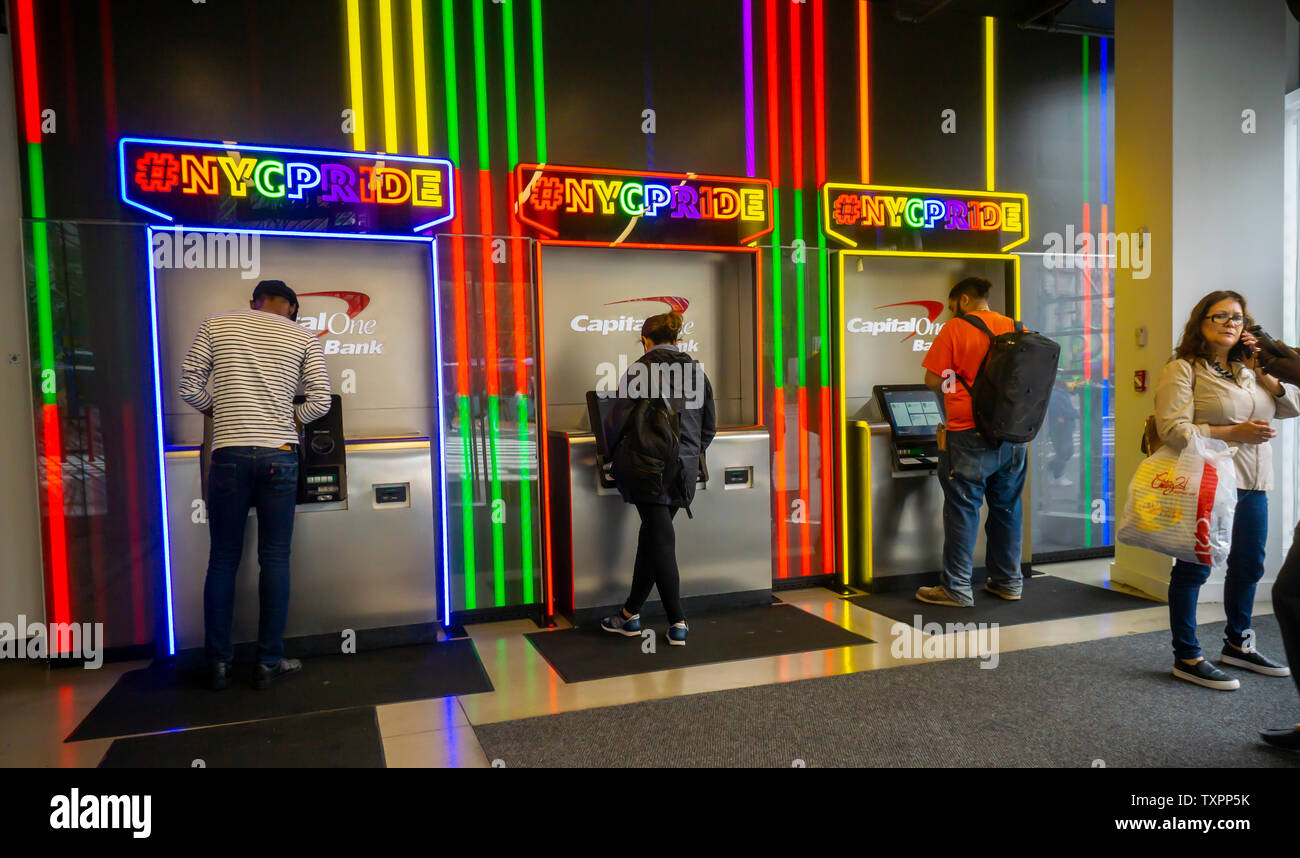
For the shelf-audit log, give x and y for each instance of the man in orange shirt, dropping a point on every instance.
(970, 469)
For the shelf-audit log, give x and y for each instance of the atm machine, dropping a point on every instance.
(364, 555)
(615, 248)
(903, 251)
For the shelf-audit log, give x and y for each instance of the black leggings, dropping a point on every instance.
(656, 562)
(1286, 606)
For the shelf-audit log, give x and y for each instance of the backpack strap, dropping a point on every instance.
(971, 319)
(978, 323)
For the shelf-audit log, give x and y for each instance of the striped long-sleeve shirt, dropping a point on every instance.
(257, 361)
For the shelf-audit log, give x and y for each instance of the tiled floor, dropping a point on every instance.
(39, 707)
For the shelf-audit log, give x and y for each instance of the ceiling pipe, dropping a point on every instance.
(926, 15)
(1051, 26)
(1071, 29)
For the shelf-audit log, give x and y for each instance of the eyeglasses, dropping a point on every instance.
(1224, 319)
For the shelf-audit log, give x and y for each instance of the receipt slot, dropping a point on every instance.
(614, 248)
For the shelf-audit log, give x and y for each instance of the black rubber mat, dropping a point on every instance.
(161, 697)
(585, 653)
(342, 739)
(1044, 597)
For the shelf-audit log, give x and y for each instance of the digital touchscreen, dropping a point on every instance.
(913, 413)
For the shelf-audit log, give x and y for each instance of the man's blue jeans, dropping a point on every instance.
(240, 478)
(971, 471)
(1245, 568)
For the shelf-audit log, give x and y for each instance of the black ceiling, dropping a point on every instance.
(1065, 14)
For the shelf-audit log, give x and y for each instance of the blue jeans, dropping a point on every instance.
(241, 478)
(1245, 568)
(971, 471)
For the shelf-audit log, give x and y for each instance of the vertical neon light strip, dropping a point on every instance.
(520, 307)
(864, 144)
(539, 82)
(418, 78)
(990, 114)
(461, 311)
(162, 463)
(419, 74)
(490, 322)
(864, 93)
(827, 438)
(389, 79)
(50, 418)
(801, 336)
(436, 297)
(356, 91)
(1106, 461)
(1085, 421)
(778, 355)
(539, 109)
(747, 28)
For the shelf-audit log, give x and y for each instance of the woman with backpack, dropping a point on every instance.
(659, 428)
(1214, 386)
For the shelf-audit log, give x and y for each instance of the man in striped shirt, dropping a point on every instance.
(257, 360)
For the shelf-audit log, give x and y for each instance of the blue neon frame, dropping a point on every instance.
(436, 299)
(336, 153)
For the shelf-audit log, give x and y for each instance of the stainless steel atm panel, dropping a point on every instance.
(593, 303)
(369, 562)
(723, 553)
(364, 563)
(893, 308)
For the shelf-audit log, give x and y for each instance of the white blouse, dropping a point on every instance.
(1192, 398)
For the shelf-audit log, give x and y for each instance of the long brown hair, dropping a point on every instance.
(1193, 345)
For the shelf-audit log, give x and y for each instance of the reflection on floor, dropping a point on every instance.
(39, 707)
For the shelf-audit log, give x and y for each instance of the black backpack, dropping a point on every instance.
(647, 463)
(1014, 383)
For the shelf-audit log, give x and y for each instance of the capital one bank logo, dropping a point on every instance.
(920, 327)
(584, 324)
(609, 373)
(334, 321)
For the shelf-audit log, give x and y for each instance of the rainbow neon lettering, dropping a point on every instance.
(227, 184)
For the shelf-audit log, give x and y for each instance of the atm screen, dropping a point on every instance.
(913, 411)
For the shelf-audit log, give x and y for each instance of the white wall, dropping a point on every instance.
(20, 558)
(1228, 185)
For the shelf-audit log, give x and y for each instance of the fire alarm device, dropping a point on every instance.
(1140, 380)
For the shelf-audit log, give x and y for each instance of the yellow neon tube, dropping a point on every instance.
(421, 94)
(830, 187)
(390, 83)
(356, 93)
(990, 126)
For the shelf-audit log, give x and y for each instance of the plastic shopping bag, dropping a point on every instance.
(1182, 504)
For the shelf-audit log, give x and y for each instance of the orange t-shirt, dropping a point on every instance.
(961, 347)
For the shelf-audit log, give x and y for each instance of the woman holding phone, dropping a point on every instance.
(1215, 387)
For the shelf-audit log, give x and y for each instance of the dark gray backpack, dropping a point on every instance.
(1014, 384)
